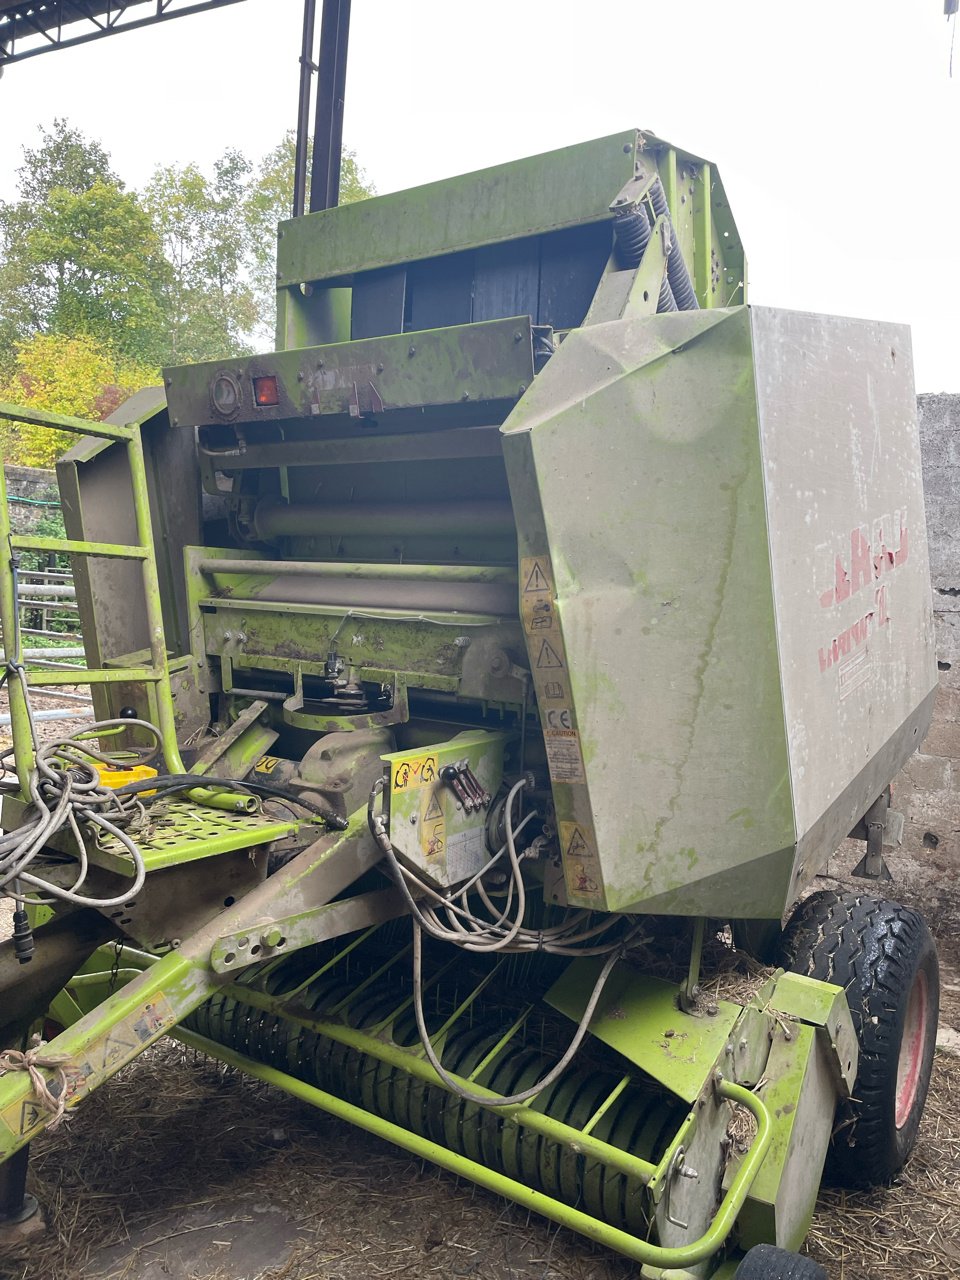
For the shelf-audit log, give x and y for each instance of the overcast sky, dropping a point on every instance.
(834, 123)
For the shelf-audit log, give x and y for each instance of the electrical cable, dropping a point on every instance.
(65, 790)
(504, 933)
(553, 1074)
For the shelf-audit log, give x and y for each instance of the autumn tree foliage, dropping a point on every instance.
(77, 376)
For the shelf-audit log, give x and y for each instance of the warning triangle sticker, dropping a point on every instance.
(537, 579)
(548, 656)
(577, 846)
(433, 809)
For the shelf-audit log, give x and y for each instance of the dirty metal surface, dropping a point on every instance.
(469, 363)
(541, 193)
(178, 831)
(720, 487)
(848, 542)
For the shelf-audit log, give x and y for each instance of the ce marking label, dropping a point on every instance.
(559, 718)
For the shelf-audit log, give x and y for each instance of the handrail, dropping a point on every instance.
(64, 422)
(157, 674)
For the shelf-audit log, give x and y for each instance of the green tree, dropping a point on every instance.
(79, 254)
(98, 267)
(270, 201)
(185, 271)
(208, 301)
(77, 376)
(64, 160)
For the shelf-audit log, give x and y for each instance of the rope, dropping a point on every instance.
(31, 1060)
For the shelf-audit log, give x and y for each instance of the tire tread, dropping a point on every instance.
(872, 948)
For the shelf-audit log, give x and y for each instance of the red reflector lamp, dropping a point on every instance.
(266, 391)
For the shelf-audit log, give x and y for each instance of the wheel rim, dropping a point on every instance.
(912, 1045)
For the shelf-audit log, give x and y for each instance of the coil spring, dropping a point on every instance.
(681, 286)
(632, 235)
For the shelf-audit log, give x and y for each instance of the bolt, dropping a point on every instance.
(272, 937)
(300, 376)
(462, 642)
(412, 351)
(689, 1172)
(518, 335)
(523, 387)
(669, 1033)
(228, 635)
(413, 819)
(712, 1010)
(380, 366)
(728, 1049)
(465, 396)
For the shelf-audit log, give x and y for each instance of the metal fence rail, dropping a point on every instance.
(49, 612)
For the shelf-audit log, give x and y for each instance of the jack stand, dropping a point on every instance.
(20, 1215)
(873, 824)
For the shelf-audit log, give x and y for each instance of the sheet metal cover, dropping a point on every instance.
(638, 1016)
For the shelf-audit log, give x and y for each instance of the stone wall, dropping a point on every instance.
(928, 790)
(29, 488)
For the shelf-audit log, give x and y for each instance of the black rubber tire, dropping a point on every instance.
(882, 954)
(767, 1262)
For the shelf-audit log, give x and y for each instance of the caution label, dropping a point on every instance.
(433, 826)
(548, 657)
(536, 575)
(414, 772)
(561, 736)
(101, 1059)
(564, 755)
(580, 862)
(536, 597)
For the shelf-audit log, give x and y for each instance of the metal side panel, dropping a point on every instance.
(95, 491)
(465, 364)
(635, 472)
(542, 193)
(848, 549)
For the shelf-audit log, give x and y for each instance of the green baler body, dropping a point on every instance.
(486, 386)
(491, 507)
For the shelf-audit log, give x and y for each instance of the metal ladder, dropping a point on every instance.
(156, 676)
